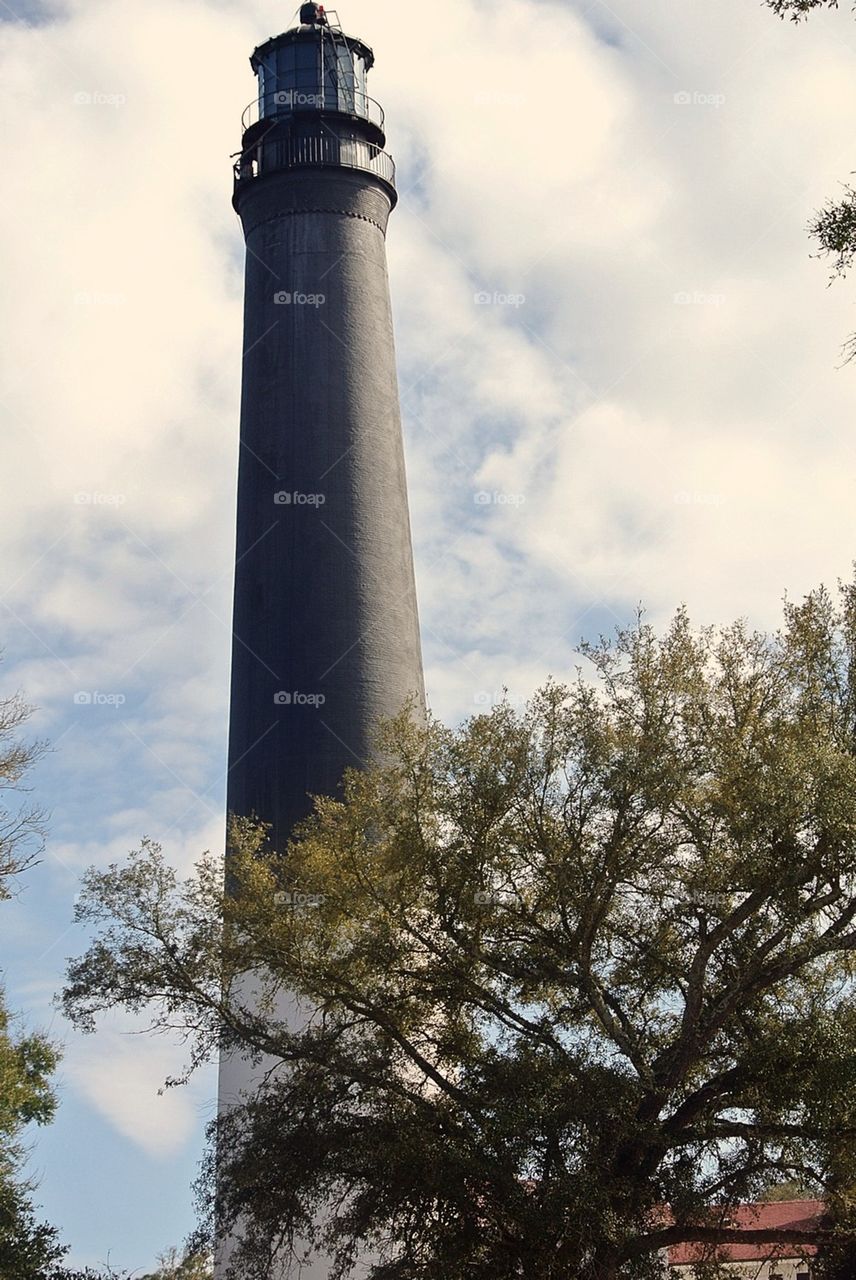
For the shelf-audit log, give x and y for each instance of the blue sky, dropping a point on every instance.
(659, 415)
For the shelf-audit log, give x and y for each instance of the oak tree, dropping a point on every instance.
(573, 982)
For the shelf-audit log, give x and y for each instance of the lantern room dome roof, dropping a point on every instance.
(311, 31)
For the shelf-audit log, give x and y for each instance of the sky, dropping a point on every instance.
(621, 382)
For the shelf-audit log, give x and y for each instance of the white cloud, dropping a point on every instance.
(121, 1074)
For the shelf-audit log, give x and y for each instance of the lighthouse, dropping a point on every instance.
(325, 625)
(325, 633)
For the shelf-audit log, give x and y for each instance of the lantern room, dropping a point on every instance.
(314, 68)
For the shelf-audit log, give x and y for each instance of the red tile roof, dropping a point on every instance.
(793, 1215)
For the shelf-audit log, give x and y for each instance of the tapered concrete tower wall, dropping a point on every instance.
(326, 633)
(325, 622)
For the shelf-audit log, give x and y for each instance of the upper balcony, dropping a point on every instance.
(339, 99)
(273, 152)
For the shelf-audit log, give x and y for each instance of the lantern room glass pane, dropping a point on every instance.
(359, 74)
(306, 57)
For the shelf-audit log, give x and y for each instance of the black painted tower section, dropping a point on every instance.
(326, 634)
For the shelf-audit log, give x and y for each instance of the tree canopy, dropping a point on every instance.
(188, 1265)
(21, 824)
(29, 1248)
(581, 978)
(796, 10)
(834, 227)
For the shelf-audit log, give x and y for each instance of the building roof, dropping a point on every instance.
(793, 1215)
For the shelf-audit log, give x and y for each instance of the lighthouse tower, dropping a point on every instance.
(325, 633)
